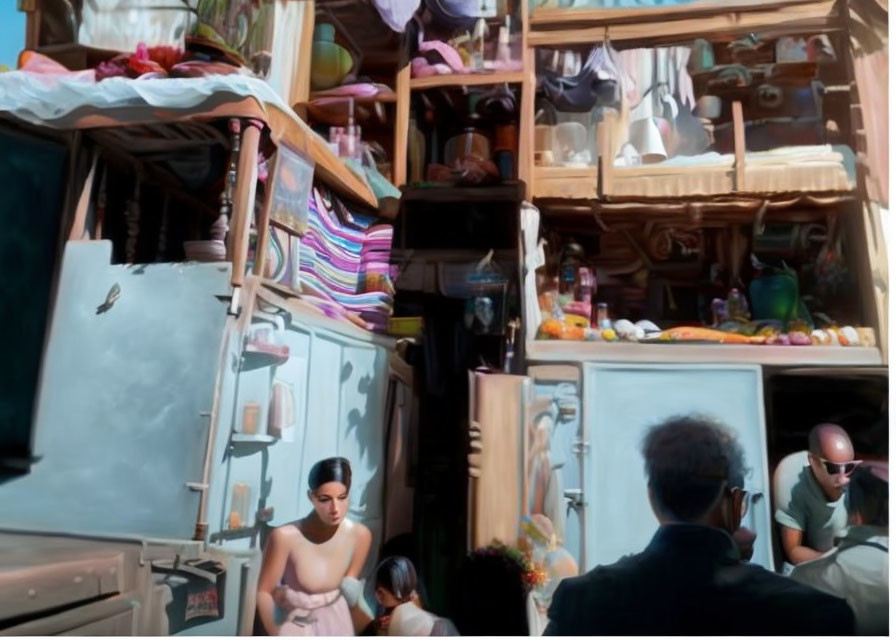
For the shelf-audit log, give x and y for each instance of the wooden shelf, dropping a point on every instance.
(233, 534)
(707, 18)
(590, 16)
(254, 359)
(578, 351)
(253, 438)
(467, 79)
(302, 313)
(385, 98)
(290, 129)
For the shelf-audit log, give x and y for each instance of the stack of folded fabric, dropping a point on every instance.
(344, 259)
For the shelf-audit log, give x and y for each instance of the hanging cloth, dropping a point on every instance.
(396, 13)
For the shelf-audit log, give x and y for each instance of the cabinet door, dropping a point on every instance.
(123, 407)
(621, 402)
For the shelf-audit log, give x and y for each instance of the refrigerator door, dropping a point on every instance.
(128, 378)
(621, 402)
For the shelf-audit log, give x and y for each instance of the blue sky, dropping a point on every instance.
(12, 33)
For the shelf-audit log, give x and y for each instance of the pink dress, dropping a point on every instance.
(313, 614)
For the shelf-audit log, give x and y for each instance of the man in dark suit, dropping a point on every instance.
(691, 579)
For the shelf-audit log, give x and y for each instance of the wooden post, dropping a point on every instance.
(80, 220)
(402, 124)
(32, 22)
(244, 199)
(605, 144)
(263, 224)
(740, 146)
(525, 150)
(301, 86)
(525, 161)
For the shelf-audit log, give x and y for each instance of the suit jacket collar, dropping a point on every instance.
(694, 539)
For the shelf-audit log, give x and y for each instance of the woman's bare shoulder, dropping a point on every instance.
(286, 533)
(358, 530)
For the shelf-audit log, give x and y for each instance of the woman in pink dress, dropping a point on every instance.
(310, 568)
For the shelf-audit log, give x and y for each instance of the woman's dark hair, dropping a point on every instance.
(396, 574)
(493, 597)
(868, 496)
(330, 470)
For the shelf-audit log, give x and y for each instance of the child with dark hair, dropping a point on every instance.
(496, 583)
(402, 612)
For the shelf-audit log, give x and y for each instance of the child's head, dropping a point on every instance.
(396, 581)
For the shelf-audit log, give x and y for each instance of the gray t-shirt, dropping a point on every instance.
(810, 511)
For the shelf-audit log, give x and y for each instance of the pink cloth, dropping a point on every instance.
(313, 614)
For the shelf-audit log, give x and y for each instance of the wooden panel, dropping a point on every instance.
(33, 589)
(816, 17)
(402, 125)
(496, 457)
(564, 182)
(576, 351)
(107, 617)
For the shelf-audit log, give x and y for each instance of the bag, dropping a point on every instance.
(596, 84)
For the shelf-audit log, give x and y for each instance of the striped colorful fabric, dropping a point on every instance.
(344, 261)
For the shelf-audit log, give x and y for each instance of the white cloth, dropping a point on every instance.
(396, 13)
(533, 259)
(61, 101)
(857, 571)
(410, 620)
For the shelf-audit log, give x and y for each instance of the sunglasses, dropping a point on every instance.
(837, 468)
(745, 499)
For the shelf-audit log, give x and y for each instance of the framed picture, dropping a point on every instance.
(289, 185)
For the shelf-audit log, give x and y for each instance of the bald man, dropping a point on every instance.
(816, 513)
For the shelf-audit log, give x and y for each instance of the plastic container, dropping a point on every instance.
(469, 143)
(240, 506)
(410, 327)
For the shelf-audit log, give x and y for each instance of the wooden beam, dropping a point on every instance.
(402, 125)
(706, 8)
(244, 200)
(815, 17)
(466, 79)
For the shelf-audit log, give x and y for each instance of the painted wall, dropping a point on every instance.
(339, 386)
